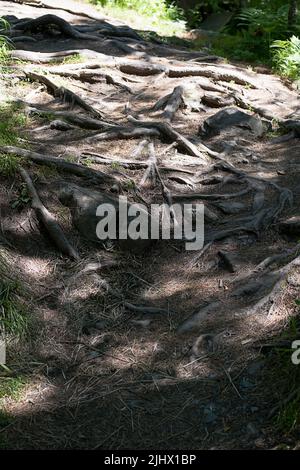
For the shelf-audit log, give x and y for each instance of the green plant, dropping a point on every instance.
(194, 17)
(5, 420)
(286, 57)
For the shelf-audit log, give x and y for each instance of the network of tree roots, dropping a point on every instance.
(146, 346)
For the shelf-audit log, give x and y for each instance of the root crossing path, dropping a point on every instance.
(145, 345)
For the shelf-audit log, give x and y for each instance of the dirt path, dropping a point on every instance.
(101, 372)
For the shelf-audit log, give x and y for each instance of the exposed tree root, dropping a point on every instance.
(273, 283)
(48, 220)
(181, 180)
(144, 68)
(136, 308)
(283, 138)
(140, 148)
(130, 164)
(50, 5)
(196, 258)
(152, 172)
(60, 164)
(261, 218)
(60, 125)
(245, 104)
(146, 310)
(291, 124)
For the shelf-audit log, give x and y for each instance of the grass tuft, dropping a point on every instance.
(13, 315)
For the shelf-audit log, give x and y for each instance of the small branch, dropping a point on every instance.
(171, 103)
(48, 220)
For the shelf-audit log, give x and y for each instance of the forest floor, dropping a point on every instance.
(96, 372)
